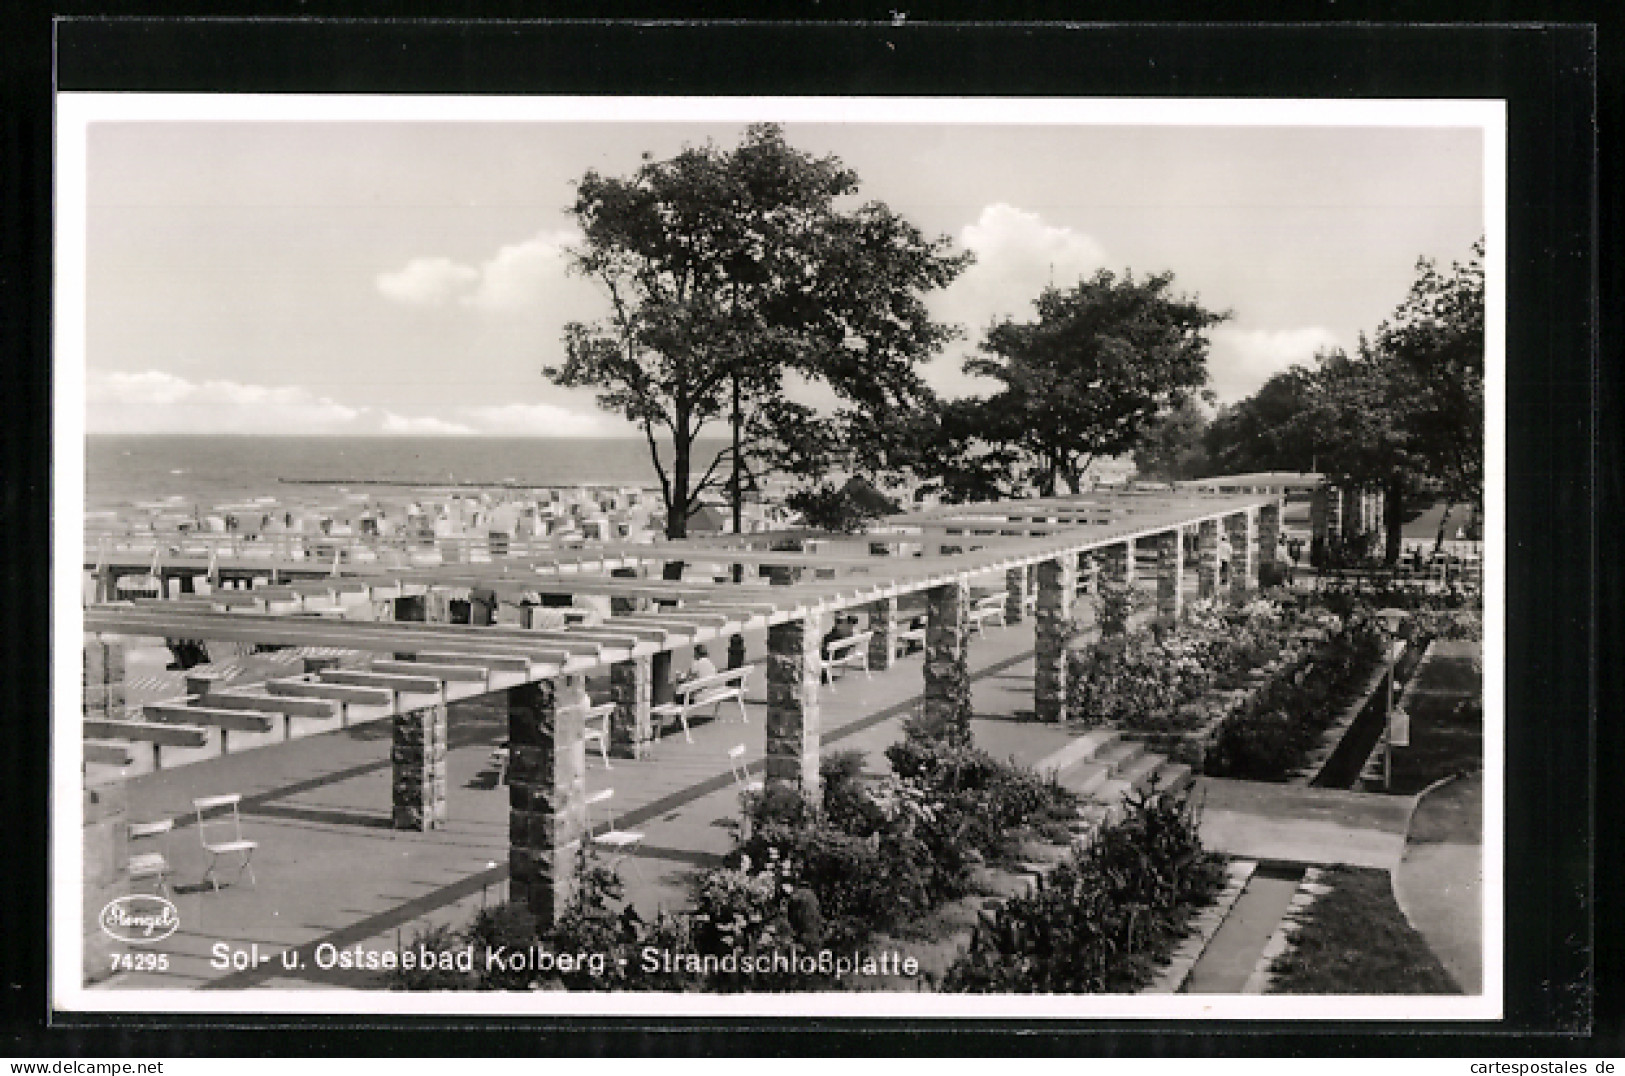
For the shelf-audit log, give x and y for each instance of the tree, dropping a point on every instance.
(1409, 405)
(1088, 377)
(1260, 433)
(1174, 449)
(1434, 347)
(1355, 421)
(727, 270)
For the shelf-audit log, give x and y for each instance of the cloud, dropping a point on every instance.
(541, 420)
(1241, 360)
(522, 272)
(520, 275)
(1018, 254)
(153, 401)
(427, 281)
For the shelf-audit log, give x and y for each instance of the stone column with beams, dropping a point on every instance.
(883, 637)
(630, 689)
(1119, 566)
(1269, 535)
(793, 726)
(419, 760)
(1015, 595)
(1207, 558)
(1243, 574)
(1057, 589)
(945, 708)
(1171, 574)
(547, 793)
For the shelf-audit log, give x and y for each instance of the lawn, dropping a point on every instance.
(1357, 941)
(1447, 723)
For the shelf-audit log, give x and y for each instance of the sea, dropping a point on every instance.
(122, 470)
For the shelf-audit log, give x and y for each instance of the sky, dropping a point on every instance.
(408, 277)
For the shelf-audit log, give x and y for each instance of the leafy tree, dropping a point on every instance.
(726, 270)
(1409, 405)
(1434, 351)
(1090, 375)
(1261, 433)
(1173, 449)
(844, 509)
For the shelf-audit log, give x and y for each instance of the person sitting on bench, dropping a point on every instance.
(701, 667)
(845, 627)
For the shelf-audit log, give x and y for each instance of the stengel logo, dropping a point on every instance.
(139, 919)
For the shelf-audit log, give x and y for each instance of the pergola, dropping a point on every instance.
(422, 670)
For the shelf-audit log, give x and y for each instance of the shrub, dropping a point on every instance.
(1103, 920)
(1273, 734)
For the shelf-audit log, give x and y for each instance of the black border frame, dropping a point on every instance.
(1557, 465)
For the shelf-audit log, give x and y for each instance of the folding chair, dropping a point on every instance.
(499, 759)
(223, 836)
(597, 729)
(621, 843)
(154, 863)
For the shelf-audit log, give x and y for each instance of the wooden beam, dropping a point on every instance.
(158, 734)
(228, 720)
(272, 704)
(343, 693)
(421, 685)
(464, 673)
(108, 753)
(495, 662)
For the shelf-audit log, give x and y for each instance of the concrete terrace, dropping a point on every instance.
(331, 868)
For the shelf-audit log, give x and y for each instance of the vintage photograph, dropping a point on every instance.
(774, 556)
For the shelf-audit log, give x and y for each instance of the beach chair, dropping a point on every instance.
(620, 843)
(222, 835)
(151, 862)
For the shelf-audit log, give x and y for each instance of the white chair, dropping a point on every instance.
(741, 770)
(153, 863)
(499, 759)
(223, 836)
(596, 729)
(620, 843)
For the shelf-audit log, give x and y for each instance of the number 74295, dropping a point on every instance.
(140, 962)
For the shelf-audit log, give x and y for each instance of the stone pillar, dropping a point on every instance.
(945, 708)
(1269, 535)
(104, 677)
(883, 641)
(419, 757)
(793, 728)
(630, 684)
(1207, 558)
(736, 651)
(1015, 595)
(105, 846)
(1171, 573)
(1320, 513)
(1057, 587)
(1119, 566)
(547, 793)
(1243, 577)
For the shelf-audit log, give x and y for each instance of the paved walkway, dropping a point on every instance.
(1440, 881)
(1294, 824)
(332, 872)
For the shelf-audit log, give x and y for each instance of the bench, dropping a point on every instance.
(852, 651)
(985, 609)
(692, 695)
(910, 637)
